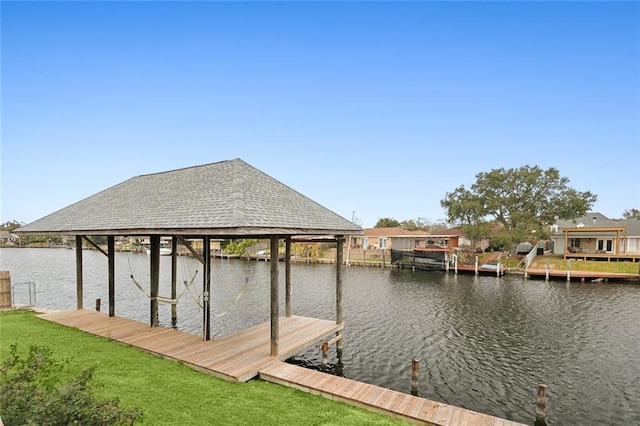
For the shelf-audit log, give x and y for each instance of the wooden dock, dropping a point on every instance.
(375, 398)
(237, 357)
(557, 274)
(242, 356)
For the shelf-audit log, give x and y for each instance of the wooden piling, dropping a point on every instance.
(111, 251)
(541, 405)
(568, 269)
(415, 373)
(476, 265)
(325, 355)
(5, 289)
(174, 280)
(79, 275)
(339, 290)
(546, 271)
(275, 304)
(154, 281)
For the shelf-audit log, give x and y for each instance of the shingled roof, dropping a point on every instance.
(228, 198)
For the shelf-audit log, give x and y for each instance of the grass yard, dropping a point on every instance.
(171, 393)
(558, 263)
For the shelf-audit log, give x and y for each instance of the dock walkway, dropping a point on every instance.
(580, 275)
(237, 357)
(376, 398)
(242, 356)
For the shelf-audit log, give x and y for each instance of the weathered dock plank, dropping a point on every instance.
(237, 357)
(408, 407)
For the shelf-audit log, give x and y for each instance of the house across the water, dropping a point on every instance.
(596, 237)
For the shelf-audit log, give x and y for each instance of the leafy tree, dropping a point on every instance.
(518, 202)
(422, 224)
(32, 394)
(387, 222)
(238, 247)
(631, 214)
(10, 225)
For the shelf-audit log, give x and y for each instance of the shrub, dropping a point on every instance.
(32, 393)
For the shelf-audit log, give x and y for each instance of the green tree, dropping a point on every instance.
(631, 214)
(10, 225)
(422, 224)
(387, 222)
(519, 202)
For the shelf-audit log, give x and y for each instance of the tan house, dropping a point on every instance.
(595, 236)
(388, 238)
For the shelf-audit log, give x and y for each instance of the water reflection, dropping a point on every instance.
(483, 343)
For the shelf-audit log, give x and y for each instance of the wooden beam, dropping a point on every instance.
(94, 245)
(188, 245)
(287, 276)
(79, 274)
(154, 278)
(595, 229)
(111, 247)
(206, 289)
(275, 304)
(339, 260)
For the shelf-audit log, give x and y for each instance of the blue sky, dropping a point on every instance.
(372, 109)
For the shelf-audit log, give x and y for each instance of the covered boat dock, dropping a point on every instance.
(224, 200)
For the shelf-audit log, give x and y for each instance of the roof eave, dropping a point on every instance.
(240, 232)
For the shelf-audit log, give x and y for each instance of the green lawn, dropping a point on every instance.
(170, 393)
(558, 263)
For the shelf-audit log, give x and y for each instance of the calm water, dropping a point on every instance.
(484, 343)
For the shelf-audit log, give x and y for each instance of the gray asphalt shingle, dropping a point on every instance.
(224, 198)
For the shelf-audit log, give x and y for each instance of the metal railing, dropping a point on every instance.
(20, 292)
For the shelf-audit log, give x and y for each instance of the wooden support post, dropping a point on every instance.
(455, 263)
(415, 373)
(498, 269)
(476, 267)
(275, 304)
(541, 406)
(154, 274)
(111, 249)
(446, 262)
(98, 303)
(325, 355)
(339, 345)
(568, 269)
(206, 288)
(174, 280)
(79, 274)
(287, 276)
(339, 260)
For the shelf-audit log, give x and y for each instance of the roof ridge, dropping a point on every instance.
(188, 168)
